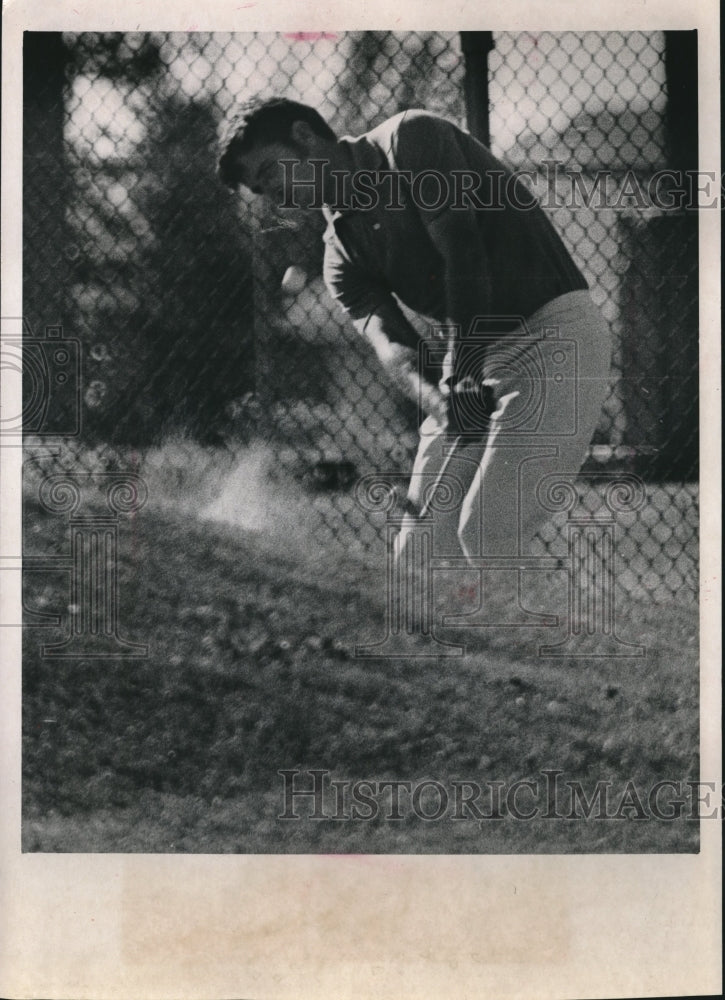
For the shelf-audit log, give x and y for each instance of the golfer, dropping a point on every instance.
(512, 378)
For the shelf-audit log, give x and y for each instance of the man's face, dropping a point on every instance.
(263, 173)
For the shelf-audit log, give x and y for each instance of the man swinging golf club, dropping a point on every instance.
(419, 212)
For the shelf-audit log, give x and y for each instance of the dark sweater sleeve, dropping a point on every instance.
(361, 297)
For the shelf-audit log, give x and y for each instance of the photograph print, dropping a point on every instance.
(360, 442)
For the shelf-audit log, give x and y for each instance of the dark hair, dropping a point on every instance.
(263, 122)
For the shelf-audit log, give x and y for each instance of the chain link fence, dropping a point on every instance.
(192, 351)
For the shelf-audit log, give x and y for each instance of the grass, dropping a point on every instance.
(251, 669)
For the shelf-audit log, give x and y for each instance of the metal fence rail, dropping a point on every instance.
(172, 287)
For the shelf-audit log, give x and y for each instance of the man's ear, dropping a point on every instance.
(303, 136)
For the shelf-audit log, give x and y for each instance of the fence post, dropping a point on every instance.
(475, 46)
(46, 181)
(681, 120)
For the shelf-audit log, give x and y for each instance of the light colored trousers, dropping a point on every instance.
(548, 379)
